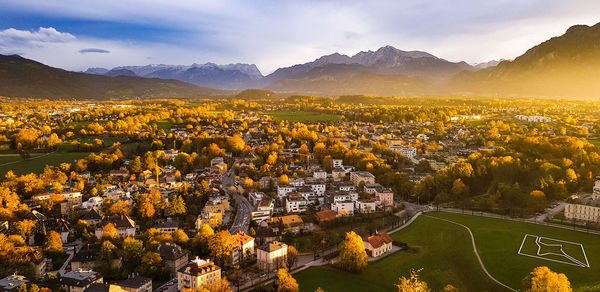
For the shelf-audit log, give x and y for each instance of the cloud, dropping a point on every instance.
(15, 37)
(94, 50)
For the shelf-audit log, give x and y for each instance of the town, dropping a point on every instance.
(170, 195)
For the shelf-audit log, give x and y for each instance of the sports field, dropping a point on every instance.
(444, 251)
(302, 116)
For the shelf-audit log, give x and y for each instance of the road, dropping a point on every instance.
(243, 215)
(241, 222)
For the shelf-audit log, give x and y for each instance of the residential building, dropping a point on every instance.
(243, 247)
(385, 196)
(357, 177)
(136, 284)
(92, 217)
(319, 174)
(125, 226)
(212, 219)
(280, 224)
(365, 206)
(198, 273)
(343, 208)
(337, 163)
(173, 256)
(586, 208)
(167, 226)
(338, 174)
(263, 210)
(295, 203)
(271, 256)
(78, 280)
(12, 283)
(282, 191)
(378, 244)
(326, 215)
(255, 197)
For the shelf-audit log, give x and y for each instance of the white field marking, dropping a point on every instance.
(572, 261)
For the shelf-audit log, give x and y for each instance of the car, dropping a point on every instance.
(263, 275)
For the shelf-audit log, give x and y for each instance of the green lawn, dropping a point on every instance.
(444, 252)
(499, 240)
(442, 249)
(36, 163)
(302, 116)
(162, 124)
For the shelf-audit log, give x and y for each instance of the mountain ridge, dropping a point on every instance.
(22, 77)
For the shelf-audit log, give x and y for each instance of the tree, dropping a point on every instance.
(292, 256)
(53, 244)
(284, 179)
(542, 279)
(24, 227)
(145, 207)
(353, 256)
(221, 245)
(180, 237)
(177, 207)
(285, 282)
(133, 251)
(219, 285)
(412, 284)
(120, 208)
(151, 265)
(136, 165)
(109, 231)
(537, 200)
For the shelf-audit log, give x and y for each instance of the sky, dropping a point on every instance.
(78, 34)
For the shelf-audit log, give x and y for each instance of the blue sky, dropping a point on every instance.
(78, 34)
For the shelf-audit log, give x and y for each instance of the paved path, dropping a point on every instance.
(476, 253)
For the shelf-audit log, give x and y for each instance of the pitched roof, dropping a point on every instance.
(135, 282)
(118, 221)
(170, 251)
(241, 238)
(199, 267)
(272, 246)
(379, 239)
(93, 214)
(326, 215)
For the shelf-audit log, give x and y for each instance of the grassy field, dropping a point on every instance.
(302, 116)
(36, 163)
(444, 252)
(163, 124)
(442, 249)
(499, 240)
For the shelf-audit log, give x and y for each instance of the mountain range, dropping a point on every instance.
(20, 77)
(231, 76)
(566, 65)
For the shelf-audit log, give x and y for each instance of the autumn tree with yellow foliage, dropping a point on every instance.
(353, 256)
(285, 282)
(542, 279)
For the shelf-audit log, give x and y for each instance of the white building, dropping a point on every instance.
(320, 174)
(283, 191)
(295, 203)
(343, 207)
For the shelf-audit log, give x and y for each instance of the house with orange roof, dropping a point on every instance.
(243, 246)
(378, 244)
